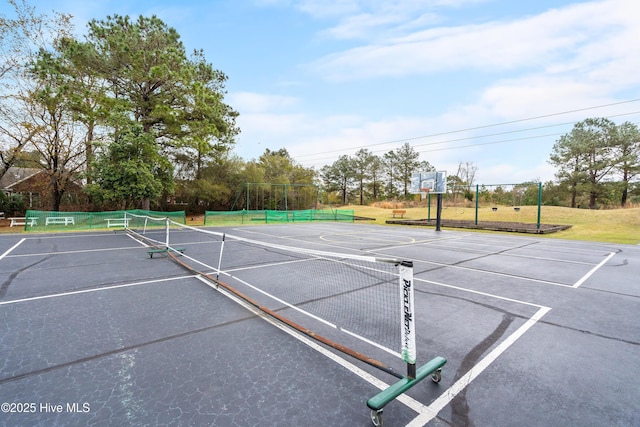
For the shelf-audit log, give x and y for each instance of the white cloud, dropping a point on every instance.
(536, 95)
(368, 26)
(249, 102)
(300, 133)
(372, 19)
(347, 8)
(502, 173)
(557, 35)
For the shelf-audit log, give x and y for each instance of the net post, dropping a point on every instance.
(408, 332)
(411, 370)
(539, 203)
(220, 258)
(166, 229)
(477, 194)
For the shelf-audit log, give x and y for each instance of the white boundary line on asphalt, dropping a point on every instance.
(428, 413)
(86, 291)
(8, 251)
(592, 271)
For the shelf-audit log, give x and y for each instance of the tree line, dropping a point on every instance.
(598, 161)
(140, 122)
(365, 177)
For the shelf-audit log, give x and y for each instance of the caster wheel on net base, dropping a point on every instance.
(376, 417)
(436, 376)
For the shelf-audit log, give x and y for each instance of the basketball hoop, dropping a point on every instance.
(426, 185)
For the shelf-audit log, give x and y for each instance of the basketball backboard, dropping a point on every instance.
(434, 182)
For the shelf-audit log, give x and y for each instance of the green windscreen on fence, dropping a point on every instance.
(54, 221)
(274, 217)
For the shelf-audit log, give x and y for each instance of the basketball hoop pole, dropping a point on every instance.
(438, 207)
(439, 212)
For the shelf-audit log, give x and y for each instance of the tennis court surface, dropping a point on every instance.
(536, 332)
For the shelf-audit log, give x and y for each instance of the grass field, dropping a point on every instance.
(615, 226)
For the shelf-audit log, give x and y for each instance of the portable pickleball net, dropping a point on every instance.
(360, 305)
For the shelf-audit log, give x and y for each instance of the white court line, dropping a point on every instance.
(325, 243)
(539, 247)
(81, 251)
(428, 413)
(368, 238)
(86, 250)
(495, 273)
(8, 251)
(514, 276)
(86, 291)
(506, 253)
(471, 291)
(71, 236)
(136, 240)
(593, 270)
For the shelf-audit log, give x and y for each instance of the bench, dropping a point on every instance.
(118, 222)
(66, 220)
(23, 221)
(400, 212)
(163, 250)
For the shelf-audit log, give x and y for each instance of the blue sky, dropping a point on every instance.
(495, 83)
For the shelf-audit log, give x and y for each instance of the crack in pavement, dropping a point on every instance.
(5, 286)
